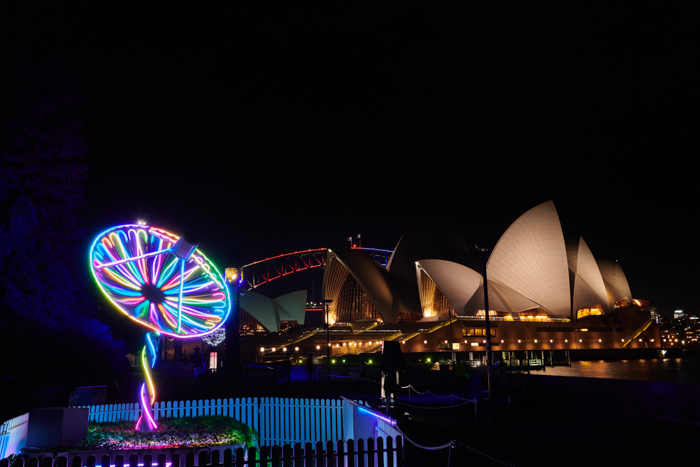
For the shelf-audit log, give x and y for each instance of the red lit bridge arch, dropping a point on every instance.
(261, 272)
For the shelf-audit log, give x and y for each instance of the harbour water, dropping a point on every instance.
(678, 370)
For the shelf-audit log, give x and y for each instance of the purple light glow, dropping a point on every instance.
(167, 464)
(388, 420)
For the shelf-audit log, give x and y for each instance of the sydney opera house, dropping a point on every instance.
(545, 292)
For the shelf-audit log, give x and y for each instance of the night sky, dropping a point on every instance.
(275, 127)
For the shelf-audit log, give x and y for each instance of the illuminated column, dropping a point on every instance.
(233, 346)
(147, 394)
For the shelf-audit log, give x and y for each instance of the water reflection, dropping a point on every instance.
(680, 370)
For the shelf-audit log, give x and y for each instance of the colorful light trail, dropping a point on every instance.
(137, 270)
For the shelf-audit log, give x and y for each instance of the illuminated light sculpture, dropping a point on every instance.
(216, 337)
(162, 282)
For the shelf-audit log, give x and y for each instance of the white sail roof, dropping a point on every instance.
(530, 258)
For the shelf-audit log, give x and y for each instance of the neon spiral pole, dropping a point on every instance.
(162, 282)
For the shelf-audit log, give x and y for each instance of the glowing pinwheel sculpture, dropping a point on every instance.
(164, 283)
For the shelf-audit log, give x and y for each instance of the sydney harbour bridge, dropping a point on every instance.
(264, 272)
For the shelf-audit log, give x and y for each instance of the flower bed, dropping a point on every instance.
(171, 433)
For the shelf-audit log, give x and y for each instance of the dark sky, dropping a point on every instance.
(274, 127)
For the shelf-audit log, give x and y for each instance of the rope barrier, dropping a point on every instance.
(451, 444)
(427, 448)
(356, 379)
(417, 391)
(485, 455)
(432, 408)
(451, 395)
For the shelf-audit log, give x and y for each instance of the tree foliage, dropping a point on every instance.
(44, 149)
(46, 315)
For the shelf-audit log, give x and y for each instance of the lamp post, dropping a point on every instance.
(233, 276)
(452, 341)
(487, 329)
(328, 340)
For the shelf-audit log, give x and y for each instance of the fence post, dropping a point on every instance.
(264, 455)
(330, 454)
(340, 452)
(389, 452)
(351, 453)
(298, 454)
(240, 457)
(308, 455)
(399, 451)
(371, 453)
(276, 456)
(251, 457)
(320, 455)
(360, 453)
(380, 451)
(287, 455)
(322, 414)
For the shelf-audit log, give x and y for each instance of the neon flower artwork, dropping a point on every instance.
(142, 273)
(164, 283)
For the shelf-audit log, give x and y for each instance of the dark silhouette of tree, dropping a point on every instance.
(44, 149)
(47, 323)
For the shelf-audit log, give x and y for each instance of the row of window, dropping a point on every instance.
(481, 332)
(477, 332)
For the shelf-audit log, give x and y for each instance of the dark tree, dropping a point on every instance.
(44, 149)
(52, 341)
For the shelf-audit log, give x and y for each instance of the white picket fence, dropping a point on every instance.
(13, 435)
(290, 421)
(278, 420)
(242, 409)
